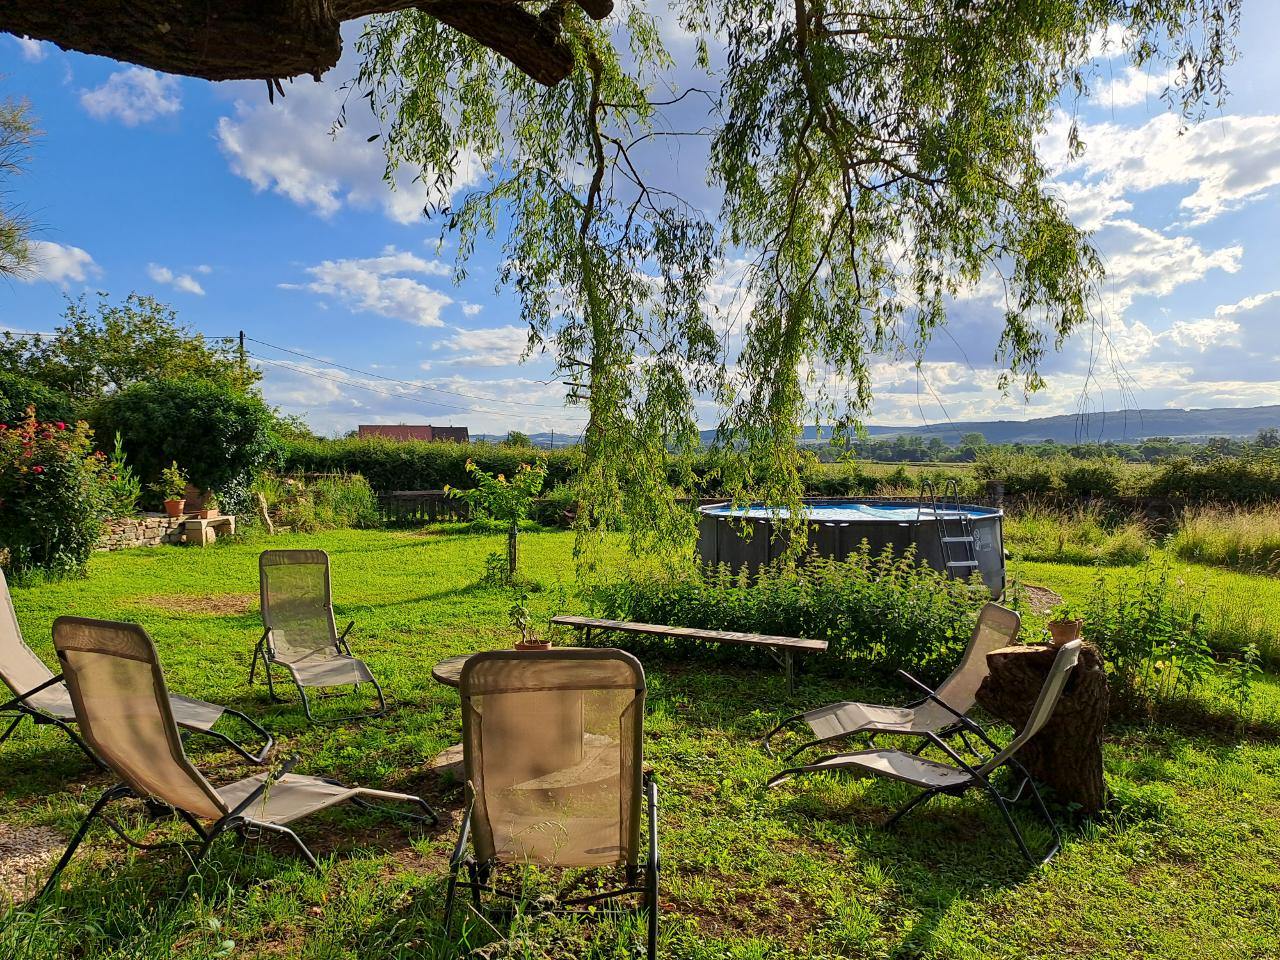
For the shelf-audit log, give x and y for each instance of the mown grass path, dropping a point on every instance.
(1188, 867)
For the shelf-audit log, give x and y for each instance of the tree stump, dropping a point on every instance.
(1066, 755)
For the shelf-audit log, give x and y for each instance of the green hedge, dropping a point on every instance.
(418, 464)
(878, 613)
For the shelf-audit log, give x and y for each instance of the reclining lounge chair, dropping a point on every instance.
(299, 632)
(996, 628)
(934, 777)
(43, 697)
(123, 709)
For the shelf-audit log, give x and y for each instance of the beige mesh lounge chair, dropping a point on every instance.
(996, 628)
(124, 711)
(43, 697)
(934, 777)
(552, 746)
(299, 633)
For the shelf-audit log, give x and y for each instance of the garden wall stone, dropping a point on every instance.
(148, 530)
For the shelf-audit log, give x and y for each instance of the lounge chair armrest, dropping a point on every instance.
(22, 697)
(272, 776)
(342, 640)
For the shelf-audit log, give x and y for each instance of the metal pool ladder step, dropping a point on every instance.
(959, 549)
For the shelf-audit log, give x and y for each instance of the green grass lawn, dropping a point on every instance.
(1187, 866)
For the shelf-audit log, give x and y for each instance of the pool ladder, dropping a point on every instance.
(959, 550)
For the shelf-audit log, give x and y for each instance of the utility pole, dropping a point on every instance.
(553, 438)
(244, 373)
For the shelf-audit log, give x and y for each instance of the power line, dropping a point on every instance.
(407, 383)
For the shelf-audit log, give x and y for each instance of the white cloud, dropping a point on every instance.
(181, 281)
(290, 148)
(378, 285)
(33, 51)
(471, 309)
(59, 263)
(1225, 162)
(1144, 262)
(204, 268)
(133, 96)
(1200, 335)
(493, 347)
(1133, 86)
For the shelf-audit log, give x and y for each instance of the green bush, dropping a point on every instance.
(877, 612)
(122, 488)
(311, 504)
(51, 495)
(220, 437)
(18, 392)
(1092, 477)
(556, 507)
(417, 464)
(1222, 480)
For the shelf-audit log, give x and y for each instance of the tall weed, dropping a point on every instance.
(1230, 537)
(1079, 534)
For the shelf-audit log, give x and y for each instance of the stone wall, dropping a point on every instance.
(148, 530)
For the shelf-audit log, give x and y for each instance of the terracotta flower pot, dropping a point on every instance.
(536, 645)
(174, 508)
(207, 514)
(1064, 631)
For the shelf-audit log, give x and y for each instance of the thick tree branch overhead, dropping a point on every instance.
(279, 39)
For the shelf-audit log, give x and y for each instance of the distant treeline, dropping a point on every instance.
(912, 448)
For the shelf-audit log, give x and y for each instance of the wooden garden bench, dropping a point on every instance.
(782, 649)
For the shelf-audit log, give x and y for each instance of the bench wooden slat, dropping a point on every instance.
(716, 636)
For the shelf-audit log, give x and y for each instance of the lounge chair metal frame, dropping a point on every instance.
(975, 648)
(235, 818)
(478, 874)
(20, 706)
(641, 877)
(265, 651)
(979, 774)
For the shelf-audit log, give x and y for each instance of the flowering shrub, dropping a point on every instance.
(52, 495)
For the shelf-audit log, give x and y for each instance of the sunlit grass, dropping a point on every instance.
(1246, 539)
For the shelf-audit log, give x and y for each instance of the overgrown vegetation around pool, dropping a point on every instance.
(748, 873)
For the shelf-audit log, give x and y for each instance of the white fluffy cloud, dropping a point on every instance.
(1133, 86)
(59, 263)
(493, 347)
(292, 148)
(183, 282)
(381, 285)
(1221, 163)
(33, 51)
(1144, 262)
(133, 96)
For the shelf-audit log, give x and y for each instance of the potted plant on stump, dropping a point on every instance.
(523, 621)
(172, 487)
(1064, 625)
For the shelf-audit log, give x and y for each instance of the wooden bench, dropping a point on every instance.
(782, 649)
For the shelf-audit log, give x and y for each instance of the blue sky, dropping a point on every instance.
(246, 215)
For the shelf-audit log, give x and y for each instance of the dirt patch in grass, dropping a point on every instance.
(1040, 599)
(25, 853)
(224, 604)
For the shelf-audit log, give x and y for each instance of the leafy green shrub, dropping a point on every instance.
(1077, 534)
(556, 507)
(311, 504)
(121, 486)
(877, 612)
(1222, 480)
(507, 501)
(417, 464)
(1092, 477)
(1230, 537)
(1152, 633)
(18, 392)
(51, 495)
(1021, 473)
(221, 436)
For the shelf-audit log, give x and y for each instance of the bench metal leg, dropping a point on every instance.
(789, 666)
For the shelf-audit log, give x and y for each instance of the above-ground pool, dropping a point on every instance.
(953, 538)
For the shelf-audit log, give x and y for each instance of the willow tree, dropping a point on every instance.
(872, 159)
(17, 133)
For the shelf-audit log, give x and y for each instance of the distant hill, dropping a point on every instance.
(1118, 425)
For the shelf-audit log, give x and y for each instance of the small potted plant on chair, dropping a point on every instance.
(172, 487)
(1064, 625)
(523, 621)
